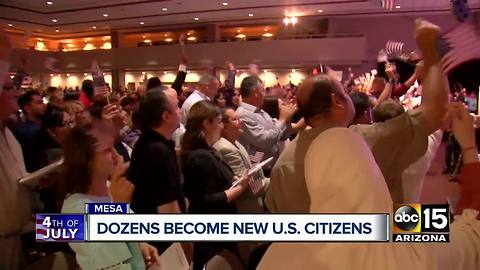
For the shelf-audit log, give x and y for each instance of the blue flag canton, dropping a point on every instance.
(107, 208)
(460, 9)
(60, 227)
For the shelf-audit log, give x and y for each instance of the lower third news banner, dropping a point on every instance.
(115, 222)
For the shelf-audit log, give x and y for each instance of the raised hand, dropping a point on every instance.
(287, 110)
(120, 188)
(426, 36)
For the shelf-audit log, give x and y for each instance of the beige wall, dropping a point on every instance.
(268, 54)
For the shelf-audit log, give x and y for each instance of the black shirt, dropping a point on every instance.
(155, 174)
(206, 178)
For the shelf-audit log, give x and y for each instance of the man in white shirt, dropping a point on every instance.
(208, 86)
(15, 202)
(261, 133)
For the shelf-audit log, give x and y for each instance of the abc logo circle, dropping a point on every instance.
(406, 218)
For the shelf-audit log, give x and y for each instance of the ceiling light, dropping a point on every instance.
(144, 36)
(165, 35)
(143, 72)
(196, 19)
(320, 10)
(142, 23)
(240, 36)
(168, 40)
(54, 20)
(250, 15)
(68, 75)
(397, 7)
(165, 72)
(70, 45)
(286, 21)
(188, 34)
(85, 74)
(265, 70)
(94, 27)
(147, 41)
(293, 70)
(225, 4)
(105, 15)
(51, 75)
(191, 38)
(49, 3)
(265, 29)
(10, 24)
(268, 35)
(164, 9)
(238, 30)
(188, 71)
(57, 30)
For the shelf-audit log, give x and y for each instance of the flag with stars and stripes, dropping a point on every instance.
(387, 4)
(459, 45)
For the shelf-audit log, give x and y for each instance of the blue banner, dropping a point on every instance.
(107, 208)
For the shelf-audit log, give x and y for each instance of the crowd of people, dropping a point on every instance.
(335, 147)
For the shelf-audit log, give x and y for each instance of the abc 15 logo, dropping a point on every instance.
(421, 218)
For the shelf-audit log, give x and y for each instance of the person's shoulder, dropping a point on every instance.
(337, 136)
(75, 203)
(223, 145)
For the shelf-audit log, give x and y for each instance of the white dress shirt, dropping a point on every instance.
(195, 97)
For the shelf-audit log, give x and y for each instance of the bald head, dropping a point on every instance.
(314, 97)
(208, 85)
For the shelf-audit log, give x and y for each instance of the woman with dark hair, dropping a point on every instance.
(207, 179)
(86, 96)
(220, 100)
(89, 162)
(56, 123)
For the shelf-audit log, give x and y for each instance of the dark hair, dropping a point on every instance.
(26, 99)
(87, 88)
(52, 118)
(125, 101)
(387, 110)
(152, 106)
(96, 108)
(224, 113)
(193, 138)
(71, 95)
(248, 85)
(136, 121)
(319, 100)
(51, 90)
(78, 152)
(361, 102)
(270, 105)
(153, 82)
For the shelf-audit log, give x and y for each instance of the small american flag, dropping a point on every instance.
(256, 182)
(387, 4)
(459, 45)
(257, 157)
